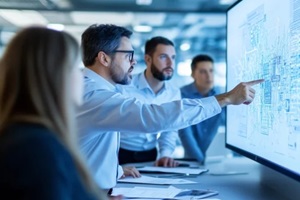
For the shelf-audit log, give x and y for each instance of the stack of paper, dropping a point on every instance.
(162, 193)
(152, 180)
(177, 170)
(147, 192)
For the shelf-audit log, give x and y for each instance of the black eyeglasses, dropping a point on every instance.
(127, 51)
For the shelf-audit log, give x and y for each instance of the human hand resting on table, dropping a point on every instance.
(130, 171)
(119, 197)
(166, 162)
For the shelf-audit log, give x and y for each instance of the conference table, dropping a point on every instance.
(236, 178)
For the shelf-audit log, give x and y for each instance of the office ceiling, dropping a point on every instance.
(203, 6)
(195, 26)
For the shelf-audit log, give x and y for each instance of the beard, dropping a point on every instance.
(119, 76)
(125, 80)
(159, 75)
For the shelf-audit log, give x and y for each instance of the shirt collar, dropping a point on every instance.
(195, 91)
(99, 80)
(142, 82)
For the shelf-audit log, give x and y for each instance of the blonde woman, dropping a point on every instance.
(40, 84)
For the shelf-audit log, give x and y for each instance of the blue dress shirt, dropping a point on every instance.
(140, 89)
(105, 112)
(197, 138)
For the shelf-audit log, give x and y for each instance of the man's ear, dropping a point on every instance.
(103, 59)
(193, 74)
(147, 59)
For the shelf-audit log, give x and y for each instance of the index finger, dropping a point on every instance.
(166, 162)
(251, 83)
(175, 163)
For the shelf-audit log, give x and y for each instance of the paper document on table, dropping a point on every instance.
(147, 192)
(163, 193)
(176, 170)
(195, 194)
(153, 180)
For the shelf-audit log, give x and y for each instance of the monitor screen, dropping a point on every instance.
(263, 41)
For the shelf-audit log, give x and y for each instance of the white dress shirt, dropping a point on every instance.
(105, 112)
(140, 89)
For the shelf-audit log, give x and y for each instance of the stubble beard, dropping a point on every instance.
(159, 75)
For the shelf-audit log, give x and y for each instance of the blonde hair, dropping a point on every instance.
(35, 86)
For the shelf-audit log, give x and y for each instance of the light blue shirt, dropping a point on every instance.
(105, 112)
(197, 138)
(140, 89)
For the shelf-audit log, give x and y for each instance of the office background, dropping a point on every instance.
(195, 26)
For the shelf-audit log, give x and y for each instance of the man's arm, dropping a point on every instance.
(167, 144)
(111, 111)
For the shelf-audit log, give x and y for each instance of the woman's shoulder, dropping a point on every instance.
(33, 142)
(33, 158)
(22, 135)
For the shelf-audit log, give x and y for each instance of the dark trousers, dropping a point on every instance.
(127, 156)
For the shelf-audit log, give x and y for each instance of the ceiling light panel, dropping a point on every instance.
(152, 19)
(23, 18)
(143, 2)
(121, 19)
(58, 17)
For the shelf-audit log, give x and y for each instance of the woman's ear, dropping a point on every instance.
(103, 59)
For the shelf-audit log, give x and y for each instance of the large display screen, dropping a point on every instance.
(263, 41)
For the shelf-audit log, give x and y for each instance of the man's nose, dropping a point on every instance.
(170, 62)
(133, 62)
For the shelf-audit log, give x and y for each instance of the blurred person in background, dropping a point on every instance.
(197, 138)
(152, 86)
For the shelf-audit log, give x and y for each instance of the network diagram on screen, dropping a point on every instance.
(264, 42)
